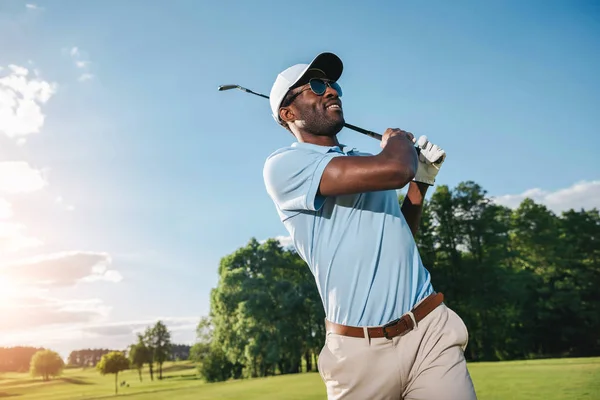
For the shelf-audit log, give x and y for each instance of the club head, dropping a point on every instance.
(227, 87)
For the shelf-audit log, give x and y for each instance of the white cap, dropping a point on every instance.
(328, 63)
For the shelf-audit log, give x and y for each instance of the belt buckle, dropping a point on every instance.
(388, 325)
(397, 321)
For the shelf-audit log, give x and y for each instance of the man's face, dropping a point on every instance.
(319, 115)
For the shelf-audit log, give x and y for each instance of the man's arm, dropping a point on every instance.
(393, 168)
(431, 158)
(412, 206)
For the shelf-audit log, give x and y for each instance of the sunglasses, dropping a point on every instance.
(318, 86)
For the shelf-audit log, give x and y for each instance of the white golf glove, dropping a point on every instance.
(431, 158)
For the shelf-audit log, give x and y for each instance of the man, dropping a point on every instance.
(389, 335)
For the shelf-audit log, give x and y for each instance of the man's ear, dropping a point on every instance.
(286, 114)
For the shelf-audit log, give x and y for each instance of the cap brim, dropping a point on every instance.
(328, 63)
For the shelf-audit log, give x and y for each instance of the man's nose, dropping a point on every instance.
(331, 92)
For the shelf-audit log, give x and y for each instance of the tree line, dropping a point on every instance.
(525, 281)
(17, 358)
(153, 348)
(155, 341)
(86, 357)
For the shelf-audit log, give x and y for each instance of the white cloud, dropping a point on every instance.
(60, 270)
(5, 209)
(14, 238)
(23, 313)
(85, 77)
(18, 71)
(100, 272)
(21, 98)
(82, 64)
(20, 177)
(132, 327)
(61, 202)
(23, 305)
(32, 6)
(284, 241)
(583, 194)
(16, 177)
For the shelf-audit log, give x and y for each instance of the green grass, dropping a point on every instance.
(554, 379)
(564, 379)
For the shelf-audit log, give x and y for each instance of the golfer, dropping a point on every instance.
(389, 334)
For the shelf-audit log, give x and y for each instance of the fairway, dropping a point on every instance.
(553, 379)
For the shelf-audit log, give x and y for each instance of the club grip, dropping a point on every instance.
(375, 135)
(364, 131)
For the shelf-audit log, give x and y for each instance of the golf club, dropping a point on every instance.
(349, 126)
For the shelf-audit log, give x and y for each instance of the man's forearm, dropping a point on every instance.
(412, 207)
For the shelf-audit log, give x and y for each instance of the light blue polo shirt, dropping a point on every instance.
(359, 247)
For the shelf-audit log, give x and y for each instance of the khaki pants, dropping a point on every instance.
(427, 363)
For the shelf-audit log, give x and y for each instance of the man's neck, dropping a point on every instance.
(318, 140)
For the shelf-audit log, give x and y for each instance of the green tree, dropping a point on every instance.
(159, 339)
(113, 363)
(487, 273)
(46, 363)
(16, 359)
(215, 367)
(266, 311)
(311, 330)
(464, 240)
(536, 241)
(149, 353)
(201, 348)
(209, 355)
(562, 252)
(139, 355)
(580, 233)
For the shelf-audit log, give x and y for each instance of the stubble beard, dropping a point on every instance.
(321, 124)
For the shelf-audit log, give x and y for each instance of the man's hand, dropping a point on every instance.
(389, 133)
(431, 158)
(393, 168)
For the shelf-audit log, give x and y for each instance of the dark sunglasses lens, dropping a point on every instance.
(318, 86)
(337, 88)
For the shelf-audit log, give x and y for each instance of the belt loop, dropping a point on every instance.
(414, 320)
(367, 336)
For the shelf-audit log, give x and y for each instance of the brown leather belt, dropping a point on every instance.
(394, 328)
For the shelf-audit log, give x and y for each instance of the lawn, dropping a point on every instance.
(564, 379)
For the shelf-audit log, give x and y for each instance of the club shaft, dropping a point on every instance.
(363, 131)
(258, 94)
(349, 126)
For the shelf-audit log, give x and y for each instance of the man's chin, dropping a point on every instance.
(332, 129)
(338, 125)
(329, 126)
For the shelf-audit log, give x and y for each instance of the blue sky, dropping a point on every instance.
(142, 168)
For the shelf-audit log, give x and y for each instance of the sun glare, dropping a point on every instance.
(7, 292)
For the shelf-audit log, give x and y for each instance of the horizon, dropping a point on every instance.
(125, 175)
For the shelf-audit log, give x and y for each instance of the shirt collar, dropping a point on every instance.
(342, 148)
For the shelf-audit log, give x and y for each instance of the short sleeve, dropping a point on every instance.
(292, 178)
